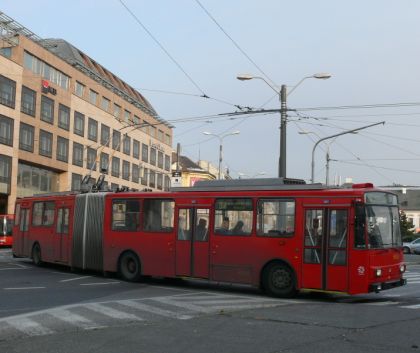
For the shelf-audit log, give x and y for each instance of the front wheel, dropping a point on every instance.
(279, 281)
(129, 267)
(36, 255)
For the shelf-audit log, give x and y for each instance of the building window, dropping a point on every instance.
(104, 163)
(32, 180)
(105, 135)
(167, 183)
(127, 145)
(126, 170)
(168, 139)
(6, 130)
(127, 116)
(160, 135)
(47, 109)
(62, 149)
(116, 140)
(28, 104)
(136, 149)
(92, 130)
(79, 89)
(136, 120)
(5, 174)
(79, 124)
(63, 117)
(105, 103)
(115, 168)
(114, 187)
(160, 160)
(117, 111)
(76, 182)
(167, 163)
(152, 131)
(152, 178)
(7, 92)
(7, 52)
(135, 173)
(39, 67)
(93, 97)
(77, 154)
(159, 181)
(144, 153)
(153, 156)
(91, 159)
(144, 176)
(45, 143)
(26, 137)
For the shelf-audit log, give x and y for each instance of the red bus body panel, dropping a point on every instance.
(6, 237)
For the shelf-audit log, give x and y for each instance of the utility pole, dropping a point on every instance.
(283, 122)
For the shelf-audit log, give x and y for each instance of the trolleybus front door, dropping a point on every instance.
(61, 246)
(325, 256)
(192, 244)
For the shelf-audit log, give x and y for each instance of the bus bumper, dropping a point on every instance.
(377, 287)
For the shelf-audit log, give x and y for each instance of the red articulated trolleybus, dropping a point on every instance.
(278, 234)
(6, 224)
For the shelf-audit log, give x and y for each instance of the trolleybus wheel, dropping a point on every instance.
(36, 255)
(279, 281)
(129, 267)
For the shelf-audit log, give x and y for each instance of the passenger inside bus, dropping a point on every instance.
(224, 229)
(238, 229)
(201, 230)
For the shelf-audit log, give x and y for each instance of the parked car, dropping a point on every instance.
(412, 247)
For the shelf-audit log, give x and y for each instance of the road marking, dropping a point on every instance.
(98, 283)
(189, 306)
(29, 327)
(416, 306)
(11, 268)
(387, 302)
(74, 279)
(153, 309)
(74, 319)
(24, 288)
(116, 314)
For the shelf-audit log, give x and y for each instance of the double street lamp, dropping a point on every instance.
(283, 94)
(221, 137)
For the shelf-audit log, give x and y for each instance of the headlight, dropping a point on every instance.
(378, 272)
(402, 268)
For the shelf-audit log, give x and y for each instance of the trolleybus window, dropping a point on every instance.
(17, 214)
(184, 224)
(126, 215)
(233, 216)
(313, 236)
(337, 237)
(158, 215)
(276, 218)
(43, 214)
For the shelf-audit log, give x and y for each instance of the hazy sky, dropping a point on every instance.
(371, 48)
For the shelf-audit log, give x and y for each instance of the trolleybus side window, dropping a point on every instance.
(43, 214)
(63, 221)
(184, 224)
(158, 215)
(233, 216)
(337, 237)
(276, 218)
(360, 227)
(126, 215)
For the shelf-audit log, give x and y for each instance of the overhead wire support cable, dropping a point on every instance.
(163, 48)
(233, 41)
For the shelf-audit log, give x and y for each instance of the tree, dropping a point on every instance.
(406, 225)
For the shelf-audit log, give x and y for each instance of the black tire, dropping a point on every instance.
(129, 267)
(279, 281)
(406, 250)
(36, 255)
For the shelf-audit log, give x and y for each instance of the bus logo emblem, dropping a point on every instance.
(361, 270)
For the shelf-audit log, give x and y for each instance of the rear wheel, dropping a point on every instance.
(129, 267)
(36, 255)
(279, 280)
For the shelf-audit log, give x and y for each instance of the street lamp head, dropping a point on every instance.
(245, 77)
(207, 133)
(235, 132)
(322, 75)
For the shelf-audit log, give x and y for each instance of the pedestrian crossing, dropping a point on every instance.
(412, 277)
(89, 316)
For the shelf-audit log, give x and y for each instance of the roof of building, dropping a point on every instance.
(186, 164)
(82, 62)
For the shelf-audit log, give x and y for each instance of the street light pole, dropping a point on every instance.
(332, 136)
(221, 137)
(283, 112)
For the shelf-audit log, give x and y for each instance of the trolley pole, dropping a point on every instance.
(283, 123)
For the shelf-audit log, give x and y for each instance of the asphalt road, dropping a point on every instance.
(50, 309)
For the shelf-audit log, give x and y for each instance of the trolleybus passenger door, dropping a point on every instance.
(192, 244)
(22, 237)
(325, 255)
(61, 246)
